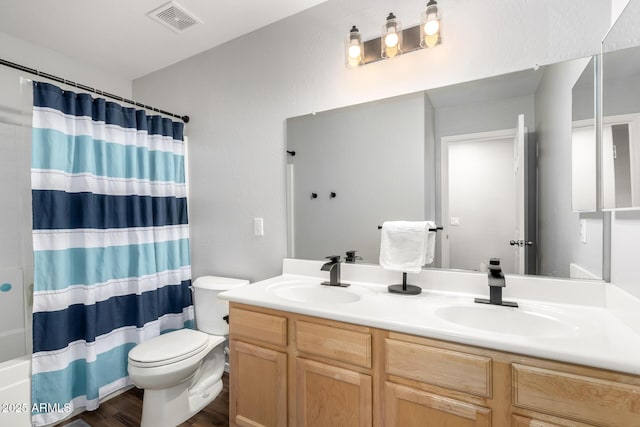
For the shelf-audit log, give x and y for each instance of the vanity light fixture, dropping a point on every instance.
(355, 49)
(391, 39)
(430, 25)
(395, 41)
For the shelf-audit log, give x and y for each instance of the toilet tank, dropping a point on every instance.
(210, 309)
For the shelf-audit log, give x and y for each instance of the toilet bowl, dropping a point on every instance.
(181, 371)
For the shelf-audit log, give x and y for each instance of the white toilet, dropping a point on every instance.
(181, 371)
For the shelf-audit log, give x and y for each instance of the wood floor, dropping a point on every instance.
(125, 410)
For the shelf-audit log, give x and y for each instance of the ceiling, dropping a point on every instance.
(118, 36)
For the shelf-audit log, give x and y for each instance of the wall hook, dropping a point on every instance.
(314, 195)
(332, 195)
(291, 153)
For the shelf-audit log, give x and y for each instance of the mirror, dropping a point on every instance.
(621, 113)
(488, 160)
(583, 143)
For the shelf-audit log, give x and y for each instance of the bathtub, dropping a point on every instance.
(15, 392)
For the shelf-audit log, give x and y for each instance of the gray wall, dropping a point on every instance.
(559, 229)
(240, 94)
(372, 156)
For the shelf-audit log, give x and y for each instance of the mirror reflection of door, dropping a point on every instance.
(483, 205)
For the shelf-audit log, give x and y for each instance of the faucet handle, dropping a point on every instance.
(333, 258)
(351, 256)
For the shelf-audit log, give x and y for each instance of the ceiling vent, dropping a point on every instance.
(174, 17)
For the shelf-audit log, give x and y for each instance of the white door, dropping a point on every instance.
(483, 200)
(521, 244)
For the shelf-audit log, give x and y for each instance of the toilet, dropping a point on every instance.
(181, 371)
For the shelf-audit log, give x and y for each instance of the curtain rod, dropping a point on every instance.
(88, 88)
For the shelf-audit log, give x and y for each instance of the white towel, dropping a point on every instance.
(403, 245)
(430, 249)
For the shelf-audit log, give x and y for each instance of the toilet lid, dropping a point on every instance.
(169, 348)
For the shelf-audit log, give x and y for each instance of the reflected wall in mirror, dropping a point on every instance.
(583, 143)
(488, 160)
(621, 112)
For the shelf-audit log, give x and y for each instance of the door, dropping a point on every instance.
(331, 396)
(521, 245)
(408, 407)
(258, 386)
(483, 199)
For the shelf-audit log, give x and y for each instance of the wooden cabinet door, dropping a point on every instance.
(331, 396)
(408, 407)
(258, 386)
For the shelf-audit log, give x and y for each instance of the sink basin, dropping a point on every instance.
(315, 293)
(506, 320)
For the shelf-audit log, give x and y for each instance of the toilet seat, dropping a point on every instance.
(168, 348)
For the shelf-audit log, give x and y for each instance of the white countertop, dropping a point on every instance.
(589, 333)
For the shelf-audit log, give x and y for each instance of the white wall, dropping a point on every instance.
(240, 94)
(49, 61)
(482, 197)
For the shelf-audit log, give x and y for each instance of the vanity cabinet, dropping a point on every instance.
(293, 370)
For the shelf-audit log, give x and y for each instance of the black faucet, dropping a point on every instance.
(333, 267)
(496, 283)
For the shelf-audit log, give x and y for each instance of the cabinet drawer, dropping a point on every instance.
(336, 344)
(468, 373)
(261, 327)
(575, 396)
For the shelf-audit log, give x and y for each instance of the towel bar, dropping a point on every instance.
(430, 229)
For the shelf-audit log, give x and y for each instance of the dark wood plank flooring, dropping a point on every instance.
(125, 410)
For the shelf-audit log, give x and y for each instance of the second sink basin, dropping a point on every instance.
(316, 293)
(506, 320)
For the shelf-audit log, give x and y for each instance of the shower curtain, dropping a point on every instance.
(111, 244)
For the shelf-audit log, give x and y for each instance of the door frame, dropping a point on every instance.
(511, 134)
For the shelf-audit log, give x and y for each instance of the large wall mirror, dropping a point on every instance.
(489, 160)
(621, 112)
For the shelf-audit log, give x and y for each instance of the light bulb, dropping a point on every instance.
(431, 27)
(391, 40)
(355, 51)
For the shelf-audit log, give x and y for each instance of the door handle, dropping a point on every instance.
(520, 243)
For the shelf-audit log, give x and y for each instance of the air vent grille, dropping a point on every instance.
(174, 16)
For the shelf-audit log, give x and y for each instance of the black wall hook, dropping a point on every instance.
(332, 195)
(291, 153)
(314, 195)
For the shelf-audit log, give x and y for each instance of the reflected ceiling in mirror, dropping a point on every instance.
(454, 155)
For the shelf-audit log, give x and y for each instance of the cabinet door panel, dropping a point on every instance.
(331, 396)
(258, 386)
(522, 421)
(408, 407)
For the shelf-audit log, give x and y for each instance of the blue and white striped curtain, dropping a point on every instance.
(111, 244)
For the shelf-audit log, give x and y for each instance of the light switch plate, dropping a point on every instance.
(258, 227)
